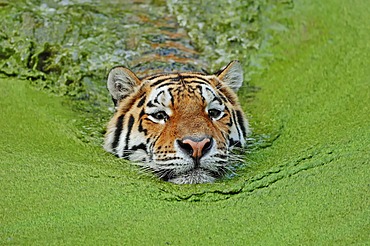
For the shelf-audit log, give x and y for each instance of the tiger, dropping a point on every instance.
(182, 126)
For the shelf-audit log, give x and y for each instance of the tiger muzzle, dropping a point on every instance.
(196, 148)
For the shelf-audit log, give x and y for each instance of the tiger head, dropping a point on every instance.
(181, 126)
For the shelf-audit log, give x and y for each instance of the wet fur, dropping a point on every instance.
(186, 98)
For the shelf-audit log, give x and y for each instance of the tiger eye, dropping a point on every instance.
(178, 142)
(161, 115)
(214, 113)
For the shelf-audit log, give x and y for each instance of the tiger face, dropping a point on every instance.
(181, 126)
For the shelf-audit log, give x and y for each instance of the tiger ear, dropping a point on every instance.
(232, 75)
(121, 83)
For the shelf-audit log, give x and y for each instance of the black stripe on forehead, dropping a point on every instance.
(211, 91)
(216, 97)
(155, 102)
(156, 98)
(154, 80)
(150, 104)
(174, 78)
(177, 83)
(150, 77)
(195, 76)
(159, 81)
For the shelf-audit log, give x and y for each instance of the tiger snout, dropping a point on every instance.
(182, 126)
(195, 147)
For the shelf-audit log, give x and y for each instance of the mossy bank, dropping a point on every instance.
(307, 184)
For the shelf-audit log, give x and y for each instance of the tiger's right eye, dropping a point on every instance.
(214, 113)
(160, 115)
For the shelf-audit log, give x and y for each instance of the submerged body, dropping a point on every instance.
(181, 126)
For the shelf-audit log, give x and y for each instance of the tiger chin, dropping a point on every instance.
(180, 126)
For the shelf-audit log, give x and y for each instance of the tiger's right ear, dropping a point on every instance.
(121, 83)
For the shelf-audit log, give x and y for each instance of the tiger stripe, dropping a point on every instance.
(117, 133)
(163, 119)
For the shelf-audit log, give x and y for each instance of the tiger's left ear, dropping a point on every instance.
(121, 83)
(232, 75)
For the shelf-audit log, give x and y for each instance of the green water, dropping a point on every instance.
(67, 47)
(307, 181)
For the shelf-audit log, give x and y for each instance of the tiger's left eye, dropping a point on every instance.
(214, 113)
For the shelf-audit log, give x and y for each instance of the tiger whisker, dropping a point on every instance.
(160, 121)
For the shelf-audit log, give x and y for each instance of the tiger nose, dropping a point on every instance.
(195, 147)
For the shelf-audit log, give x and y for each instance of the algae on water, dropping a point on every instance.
(67, 47)
(309, 187)
(230, 30)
